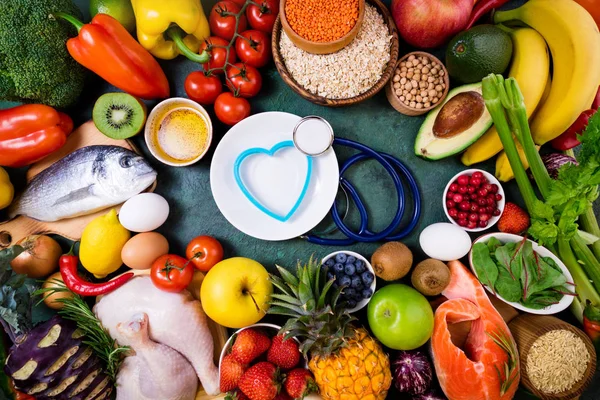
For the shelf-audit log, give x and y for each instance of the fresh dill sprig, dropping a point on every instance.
(76, 309)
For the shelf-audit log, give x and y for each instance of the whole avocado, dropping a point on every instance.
(474, 54)
(35, 66)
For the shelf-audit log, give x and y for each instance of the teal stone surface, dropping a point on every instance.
(374, 123)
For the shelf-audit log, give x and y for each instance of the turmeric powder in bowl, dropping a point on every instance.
(322, 21)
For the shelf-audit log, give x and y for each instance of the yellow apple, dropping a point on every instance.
(235, 292)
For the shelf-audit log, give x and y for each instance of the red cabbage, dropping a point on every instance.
(412, 372)
(554, 161)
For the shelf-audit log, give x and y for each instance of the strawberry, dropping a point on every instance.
(231, 372)
(284, 353)
(260, 382)
(513, 220)
(250, 344)
(299, 382)
(236, 395)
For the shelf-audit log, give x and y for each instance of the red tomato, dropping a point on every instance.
(244, 80)
(202, 88)
(263, 17)
(171, 273)
(204, 252)
(231, 109)
(222, 19)
(239, 2)
(253, 48)
(215, 47)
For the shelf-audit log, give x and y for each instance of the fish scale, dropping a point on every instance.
(88, 180)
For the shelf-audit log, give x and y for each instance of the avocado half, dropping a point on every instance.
(455, 124)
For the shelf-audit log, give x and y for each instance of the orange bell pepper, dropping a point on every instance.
(105, 47)
(30, 132)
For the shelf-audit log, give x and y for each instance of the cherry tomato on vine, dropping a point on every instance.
(202, 88)
(171, 273)
(204, 252)
(231, 109)
(263, 17)
(216, 48)
(253, 48)
(239, 2)
(222, 21)
(244, 80)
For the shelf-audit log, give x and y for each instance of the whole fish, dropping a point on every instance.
(88, 180)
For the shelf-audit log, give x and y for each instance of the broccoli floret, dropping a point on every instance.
(35, 65)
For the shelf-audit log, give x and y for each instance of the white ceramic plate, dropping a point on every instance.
(276, 180)
(542, 251)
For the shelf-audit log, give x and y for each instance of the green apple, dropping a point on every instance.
(236, 292)
(400, 317)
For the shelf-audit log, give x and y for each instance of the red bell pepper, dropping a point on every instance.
(483, 7)
(568, 139)
(105, 47)
(30, 132)
(591, 324)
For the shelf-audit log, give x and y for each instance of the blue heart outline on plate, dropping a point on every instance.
(259, 150)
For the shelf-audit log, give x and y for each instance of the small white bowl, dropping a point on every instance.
(504, 238)
(500, 203)
(153, 123)
(361, 304)
(275, 328)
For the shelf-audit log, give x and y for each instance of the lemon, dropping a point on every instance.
(101, 244)
(7, 190)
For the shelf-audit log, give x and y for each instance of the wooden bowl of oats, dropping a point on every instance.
(558, 360)
(419, 84)
(354, 74)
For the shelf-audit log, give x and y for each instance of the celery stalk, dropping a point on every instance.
(589, 223)
(584, 288)
(495, 95)
(517, 114)
(587, 260)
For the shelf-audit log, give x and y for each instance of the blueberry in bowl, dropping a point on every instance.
(355, 274)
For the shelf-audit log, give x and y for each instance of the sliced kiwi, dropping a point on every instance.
(119, 115)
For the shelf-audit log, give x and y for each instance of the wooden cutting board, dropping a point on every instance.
(19, 227)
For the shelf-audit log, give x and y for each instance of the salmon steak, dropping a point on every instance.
(488, 366)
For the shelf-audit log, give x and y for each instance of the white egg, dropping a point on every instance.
(144, 212)
(445, 242)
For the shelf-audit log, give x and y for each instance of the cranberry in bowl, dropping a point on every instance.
(473, 200)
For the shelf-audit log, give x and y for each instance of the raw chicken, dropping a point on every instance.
(155, 371)
(471, 374)
(174, 319)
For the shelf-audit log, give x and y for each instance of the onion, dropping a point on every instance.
(430, 395)
(40, 257)
(51, 297)
(412, 372)
(554, 161)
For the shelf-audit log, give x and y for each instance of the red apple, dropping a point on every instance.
(430, 23)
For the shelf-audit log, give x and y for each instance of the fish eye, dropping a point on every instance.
(126, 161)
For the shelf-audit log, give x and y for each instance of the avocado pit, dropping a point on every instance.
(459, 114)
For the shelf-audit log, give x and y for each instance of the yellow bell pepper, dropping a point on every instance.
(7, 191)
(159, 20)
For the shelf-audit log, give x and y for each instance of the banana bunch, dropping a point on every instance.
(574, 42)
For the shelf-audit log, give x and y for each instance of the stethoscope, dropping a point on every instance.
(394, 167)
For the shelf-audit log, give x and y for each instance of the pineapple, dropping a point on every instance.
(347, 363)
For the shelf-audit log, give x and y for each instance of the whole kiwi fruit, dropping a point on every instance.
(392, 261)
(430, 277)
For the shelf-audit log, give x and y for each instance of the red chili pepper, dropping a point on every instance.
(68, 270)
(30, 132)
(596, 103)
(568, 139)
(591, 324)
(105, 47)
(483, 7)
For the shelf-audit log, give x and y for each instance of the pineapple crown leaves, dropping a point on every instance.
(317, 318)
